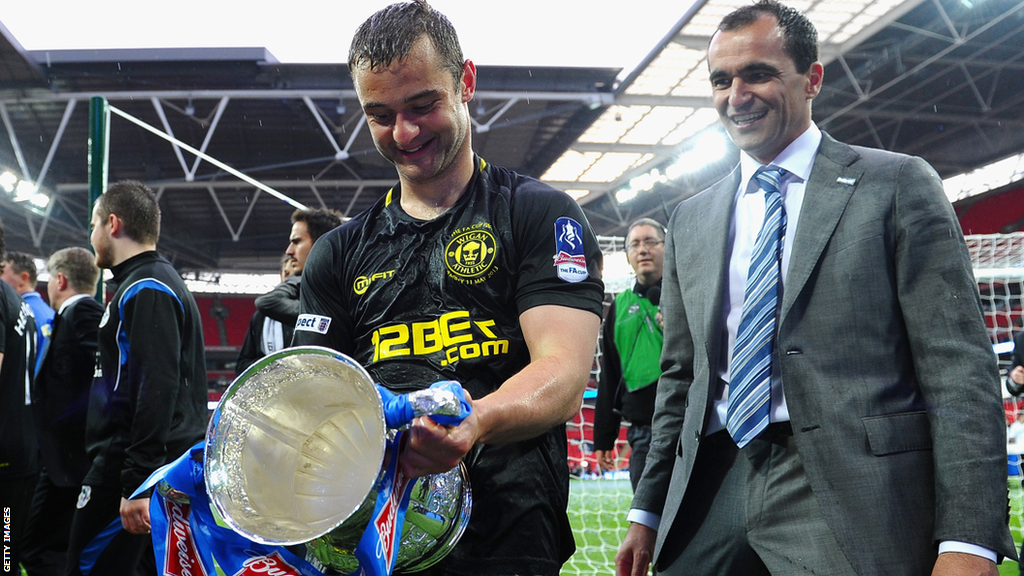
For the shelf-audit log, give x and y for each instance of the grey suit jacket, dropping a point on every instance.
(889, 376)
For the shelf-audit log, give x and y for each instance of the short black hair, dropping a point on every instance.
(21, 263)
(389, 35)
(319, 221)
(800, 37)
(135, 204)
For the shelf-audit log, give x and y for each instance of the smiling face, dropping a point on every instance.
(417, 114)
(763, 102)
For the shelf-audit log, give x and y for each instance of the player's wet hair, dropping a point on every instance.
(389, 35)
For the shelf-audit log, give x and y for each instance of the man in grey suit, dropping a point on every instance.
(878, 445)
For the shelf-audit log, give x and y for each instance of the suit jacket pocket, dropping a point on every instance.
(894, 433)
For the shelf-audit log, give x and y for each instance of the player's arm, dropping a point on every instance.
(151, 323)
(546, 393)
(549, 391)
(250, 351)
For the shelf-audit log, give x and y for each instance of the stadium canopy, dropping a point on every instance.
(939, 79)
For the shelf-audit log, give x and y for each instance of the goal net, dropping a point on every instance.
(598, 502)
(998, 261)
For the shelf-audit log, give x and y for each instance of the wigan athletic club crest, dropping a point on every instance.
(470, 254)
(569, 256)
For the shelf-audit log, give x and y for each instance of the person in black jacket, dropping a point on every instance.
(270, 327)
(59, 400)
(265, 335)
(148, 399)
(282, 303)
(18, 455)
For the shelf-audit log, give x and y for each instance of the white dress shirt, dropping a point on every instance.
(71, 300)
(747, 218)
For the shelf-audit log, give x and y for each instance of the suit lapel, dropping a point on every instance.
(833, 181)
(705, 264)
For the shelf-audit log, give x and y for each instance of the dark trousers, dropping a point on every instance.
(639, 438)
(98, 545)
(15, 496)
(49, 523)
(751, 512)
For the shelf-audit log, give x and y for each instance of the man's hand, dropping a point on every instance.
(135, 515)
(1017, 375)
(605, 459)
(431, 448)
(636, 551)
(960, 564)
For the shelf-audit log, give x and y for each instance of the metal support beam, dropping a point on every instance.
(14, 141)
(209, 133)
(993, 22)
(208, 158)
(486, 127)
(323, 127)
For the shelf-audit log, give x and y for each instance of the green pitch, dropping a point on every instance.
(1009, 567)
(597, 513)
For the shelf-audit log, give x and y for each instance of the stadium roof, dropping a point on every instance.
(939, 78)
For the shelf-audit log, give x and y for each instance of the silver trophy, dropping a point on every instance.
(294, 454)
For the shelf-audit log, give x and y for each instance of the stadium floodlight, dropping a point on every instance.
(39, 200)
(7, 181)
(625, 195)
(24, 191)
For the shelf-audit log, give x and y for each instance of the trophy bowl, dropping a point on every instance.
(295, 446)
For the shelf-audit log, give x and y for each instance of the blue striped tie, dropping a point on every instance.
(750, 373)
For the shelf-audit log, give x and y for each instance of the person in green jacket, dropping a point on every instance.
(630, 363)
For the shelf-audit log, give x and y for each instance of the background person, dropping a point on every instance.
(20, 272)
(1015, 373)
(1015, 434)
(19, 462)
(463, 271)
(630, 362)
(282, 303)
(265, 335)
(147, 402)
(60, 398)
(857, 426)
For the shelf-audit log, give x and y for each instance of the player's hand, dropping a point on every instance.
(636, 551)
(135, 515)
(960, 564)
(605, 460)
(431, 448)
(1017, 375)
